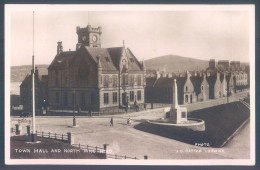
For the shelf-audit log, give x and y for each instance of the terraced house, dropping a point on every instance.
(92, 77)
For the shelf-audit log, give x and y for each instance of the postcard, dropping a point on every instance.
(129, 84)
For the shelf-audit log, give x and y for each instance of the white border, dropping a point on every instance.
(10, 8)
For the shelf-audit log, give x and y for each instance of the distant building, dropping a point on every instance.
(232, 78)
(192, 87)
(41, 98)
(95, 78)
(201, 87)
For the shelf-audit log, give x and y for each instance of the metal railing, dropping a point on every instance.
(49, 135)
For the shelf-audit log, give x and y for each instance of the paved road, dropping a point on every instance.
(123, 139)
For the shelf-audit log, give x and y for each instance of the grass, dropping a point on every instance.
(22, 150)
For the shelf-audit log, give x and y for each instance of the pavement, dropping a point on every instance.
(123, 139)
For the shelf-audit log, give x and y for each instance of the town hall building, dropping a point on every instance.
(92, 77)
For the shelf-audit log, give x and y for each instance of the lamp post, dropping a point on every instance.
(74, 118)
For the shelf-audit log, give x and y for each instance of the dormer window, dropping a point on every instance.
(132, 60)
(107, 59)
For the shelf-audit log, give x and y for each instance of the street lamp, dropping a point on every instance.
(74, 118)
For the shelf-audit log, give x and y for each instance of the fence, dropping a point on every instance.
(119, 157)
(99, 150)
(90, 149)
(67, 138)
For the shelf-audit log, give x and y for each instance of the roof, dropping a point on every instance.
(109, 58)
(196, 81)
(150, 81)
(212, 79)
(28, 80)
(104, 56)
(62, 60)
(115, 54)
(165, 81)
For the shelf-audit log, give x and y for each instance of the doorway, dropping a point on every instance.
(124, 98)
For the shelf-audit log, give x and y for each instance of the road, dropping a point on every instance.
(123, 139)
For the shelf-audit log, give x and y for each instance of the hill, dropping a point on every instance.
(18, 73)
(174, 63)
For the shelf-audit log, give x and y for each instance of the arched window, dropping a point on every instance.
(186, 88)
(201, 87)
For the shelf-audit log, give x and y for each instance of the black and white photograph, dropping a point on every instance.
(129, 84)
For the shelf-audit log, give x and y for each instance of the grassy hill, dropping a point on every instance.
(18, 73)
(174, 63)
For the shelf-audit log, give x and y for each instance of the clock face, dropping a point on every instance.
(84, 38)
(94, 38)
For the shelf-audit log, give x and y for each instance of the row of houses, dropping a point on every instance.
(218, 80)
(96, 78)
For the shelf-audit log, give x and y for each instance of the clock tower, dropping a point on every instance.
(89, 36)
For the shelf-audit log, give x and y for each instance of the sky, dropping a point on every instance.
(202, 34)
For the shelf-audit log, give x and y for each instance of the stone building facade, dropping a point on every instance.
(92, 77)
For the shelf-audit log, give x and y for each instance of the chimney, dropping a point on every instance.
(59, 47)
(158, 75)
(188, 74)
(212, 63)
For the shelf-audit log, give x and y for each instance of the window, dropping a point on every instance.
(186, 98)
(106, 101)
(92, 98)
(124, 79)
(186, 88)
(66, 99)
(183, 114)
(83, 99)
(201, 87)
(106, 81)
(139, 79)
(107, 59)
(57, 97)
(114, 80)
(132, 80)
(132, 95)
(114, 97)
(139, 95)
(132, 60)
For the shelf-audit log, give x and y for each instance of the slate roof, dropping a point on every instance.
(63, 59)
(211, 79)
(150, 81)
(196, 81)
(115, 54)
(104, 56)
(109, 57)
(165, 82)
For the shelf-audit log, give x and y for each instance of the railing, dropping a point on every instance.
(99, 150)
(119, 157)
(90, 149)
(56, 136)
